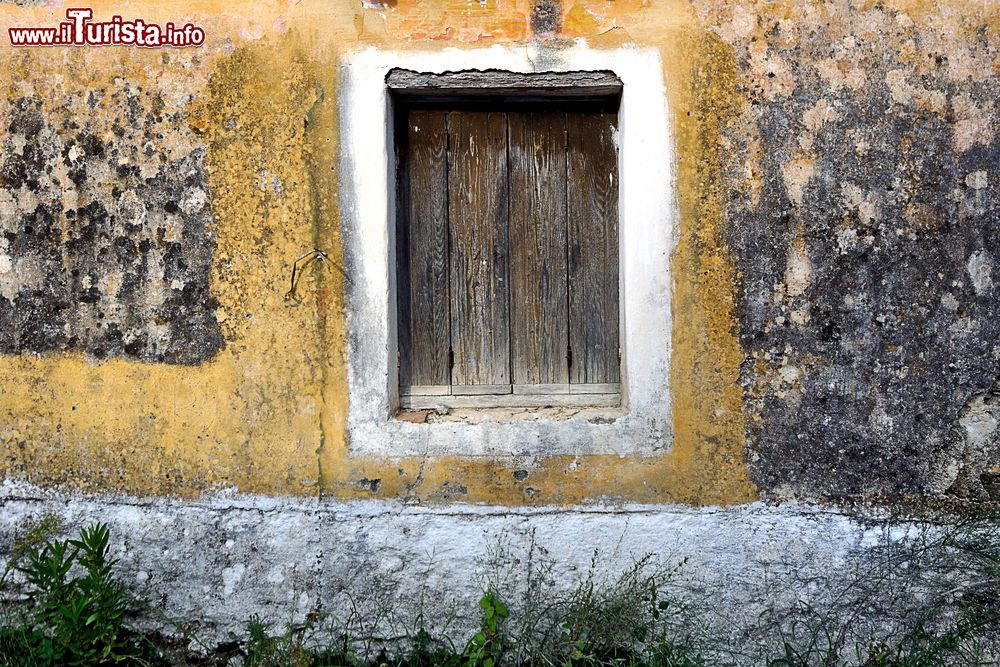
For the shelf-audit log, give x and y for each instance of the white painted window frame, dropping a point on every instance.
(647, 230)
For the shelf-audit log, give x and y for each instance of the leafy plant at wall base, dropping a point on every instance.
(76, 605)
(426, 652)
(627, 620)
(33, 534)
(487, 646)
(264, 650)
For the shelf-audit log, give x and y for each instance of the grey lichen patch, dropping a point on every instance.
(453, 489)
(974, 469)
(862, 219)
(106, 232)
(370, 485)
(546, 17)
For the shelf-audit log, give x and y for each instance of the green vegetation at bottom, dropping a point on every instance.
(934, 593)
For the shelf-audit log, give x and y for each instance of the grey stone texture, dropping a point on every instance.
(106, 233)
(862, 220)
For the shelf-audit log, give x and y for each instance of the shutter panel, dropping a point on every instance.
(538, 274)
(424, 331)
(508, 259)
(592, 199)
(477, 195)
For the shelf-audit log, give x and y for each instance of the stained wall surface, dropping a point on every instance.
(835, 314)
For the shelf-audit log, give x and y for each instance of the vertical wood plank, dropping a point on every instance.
(592, 200)
(538, 237)
(477, 194)
(423, 304)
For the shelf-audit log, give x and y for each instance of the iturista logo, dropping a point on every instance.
(81, 30)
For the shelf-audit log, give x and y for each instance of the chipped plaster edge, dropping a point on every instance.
(648, 230)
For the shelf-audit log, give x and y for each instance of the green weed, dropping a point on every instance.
(74, 607)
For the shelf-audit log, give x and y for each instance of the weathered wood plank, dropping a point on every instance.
(480, 389)
(596, 388)
(538, 274)
(511, 401)
(423, 303)
(489, 82)
(541, 389)
(424, 390)
(477, 191)
(592, 195)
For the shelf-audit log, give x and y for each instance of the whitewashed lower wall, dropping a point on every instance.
(215, 562)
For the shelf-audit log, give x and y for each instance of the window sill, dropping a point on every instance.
(512, 396)
(592, 415)
(511, 401)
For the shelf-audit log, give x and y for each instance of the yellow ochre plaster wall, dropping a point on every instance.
(267, 413)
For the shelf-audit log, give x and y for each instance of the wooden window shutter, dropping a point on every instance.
(423, 309)
(508, 255)
(539, 317)
(478, 212)
(592, 200)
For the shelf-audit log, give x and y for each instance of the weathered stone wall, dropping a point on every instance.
(737, 576)
(835, 316)
(862, 206)
(834, 322)
(107, 230)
